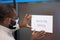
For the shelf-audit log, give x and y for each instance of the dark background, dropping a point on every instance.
(43, 8)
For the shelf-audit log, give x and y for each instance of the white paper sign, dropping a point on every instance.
(42, 22)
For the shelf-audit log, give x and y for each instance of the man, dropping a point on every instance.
(8, 18)
(5, 32)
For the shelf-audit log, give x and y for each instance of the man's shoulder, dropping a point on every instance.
(5, 36)
(2, 33)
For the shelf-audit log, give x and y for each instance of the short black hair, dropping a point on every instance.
(5, 12)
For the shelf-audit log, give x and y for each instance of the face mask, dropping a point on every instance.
(16, 23)
(13, 24)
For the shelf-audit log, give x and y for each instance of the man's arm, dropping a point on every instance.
(23, 34)
(25, 30)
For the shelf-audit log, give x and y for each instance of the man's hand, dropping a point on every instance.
(25, 21)
(37, 35)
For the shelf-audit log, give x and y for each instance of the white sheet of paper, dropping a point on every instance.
(42, 22)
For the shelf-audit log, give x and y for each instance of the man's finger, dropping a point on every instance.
(26, 15)
(42, 32)
(28, 26)
(29, 16)
(33, 32)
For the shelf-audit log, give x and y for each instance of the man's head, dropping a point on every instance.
(7, 16)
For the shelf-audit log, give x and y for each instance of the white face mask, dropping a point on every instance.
(17, 20)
